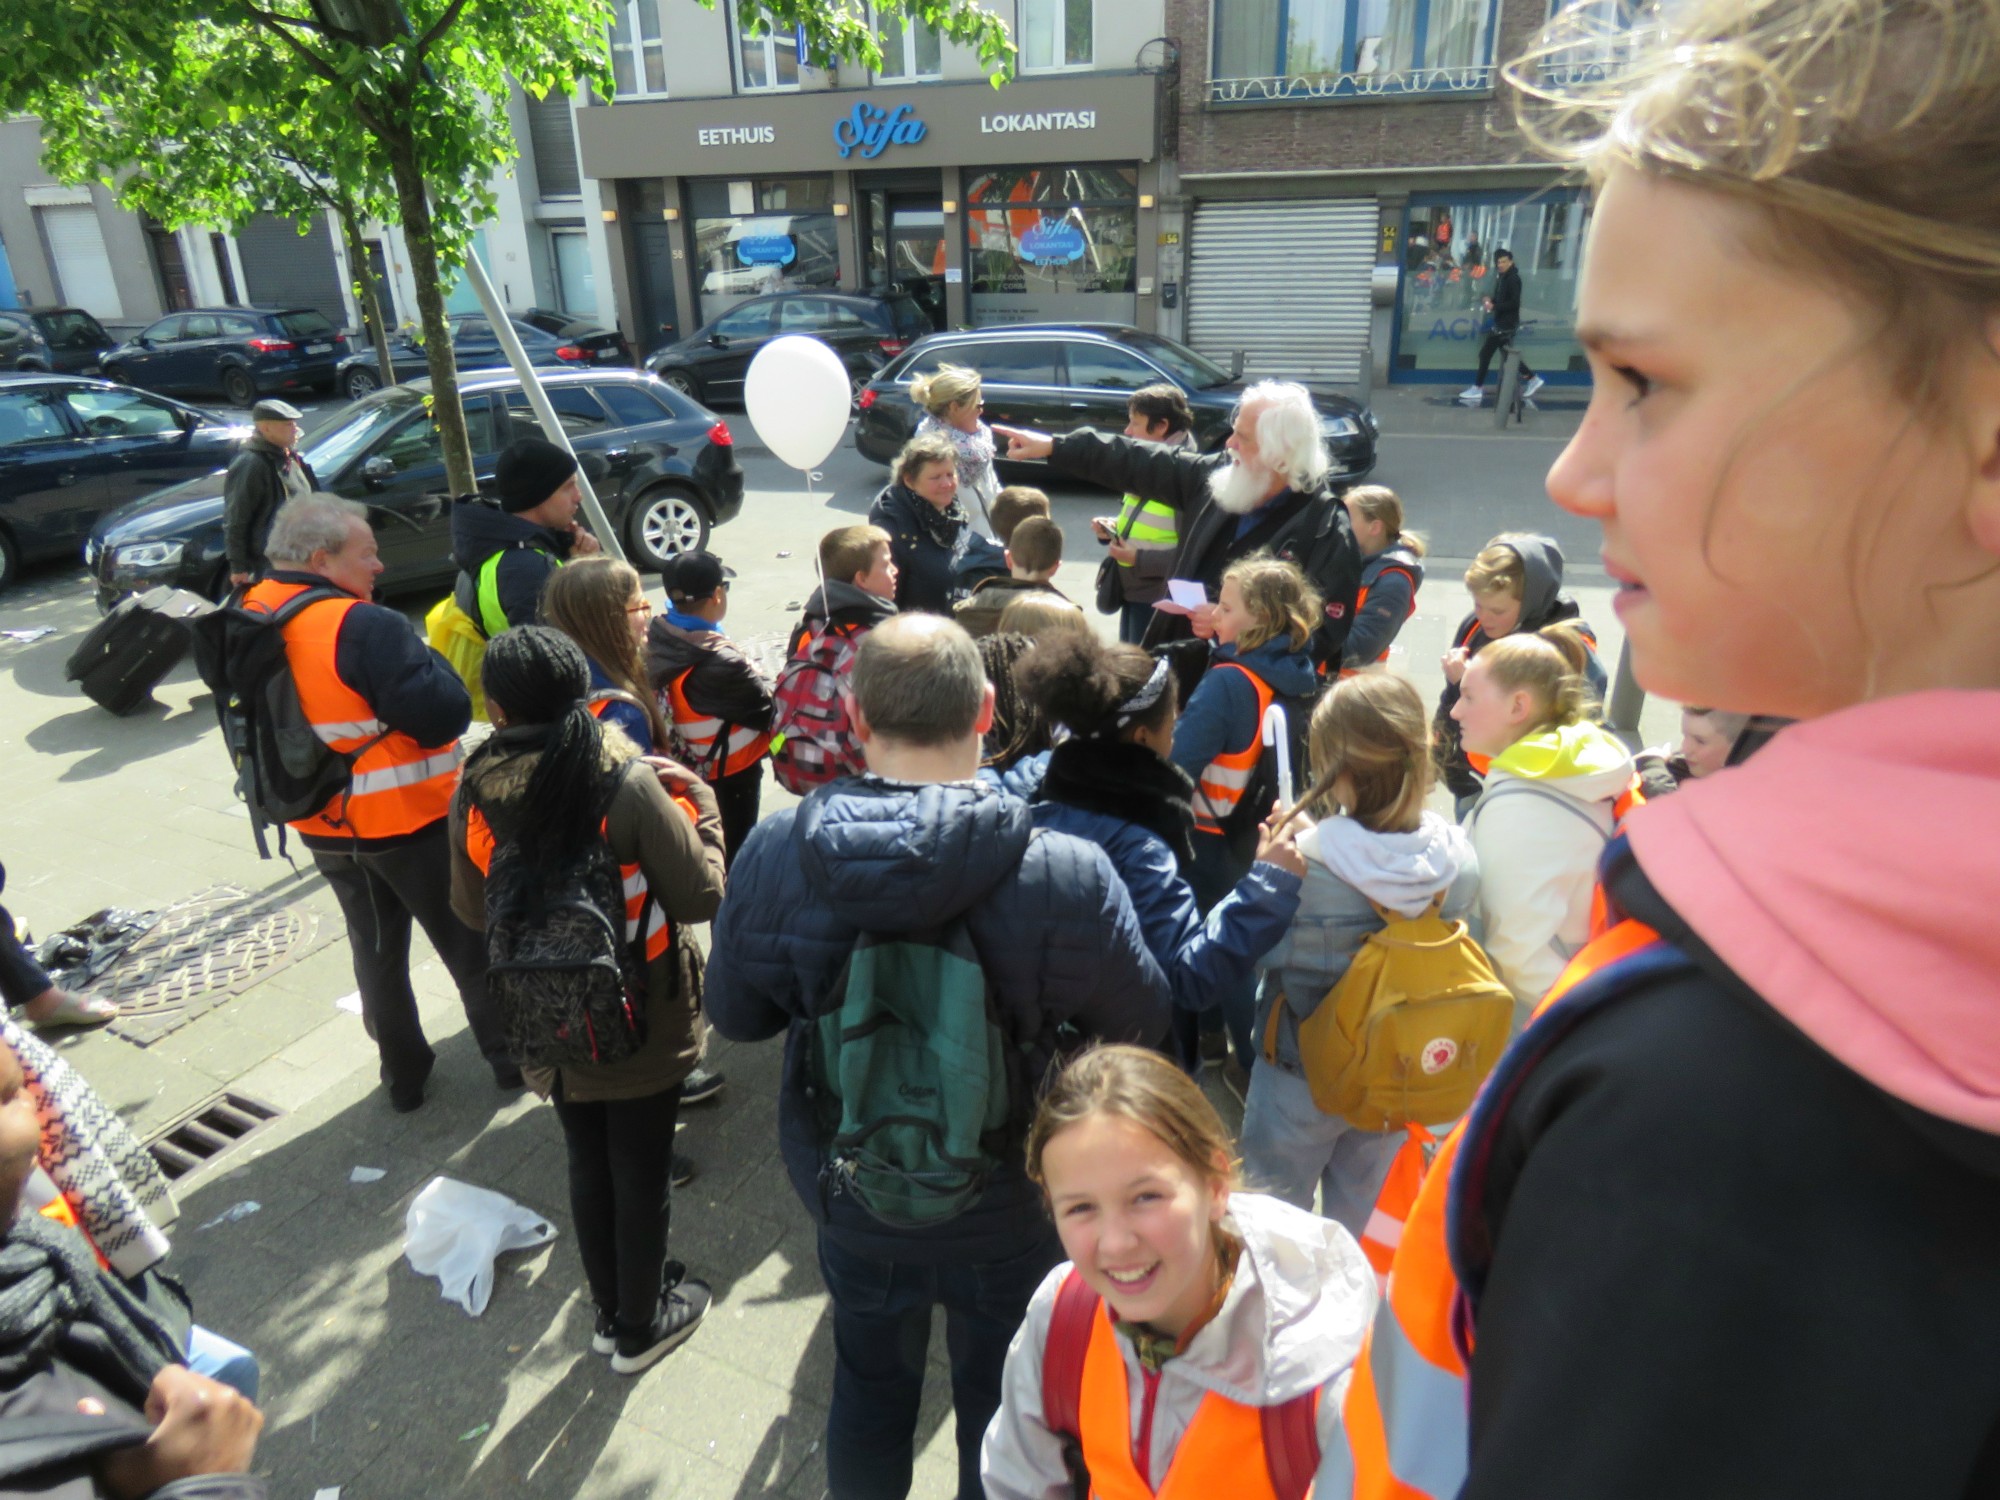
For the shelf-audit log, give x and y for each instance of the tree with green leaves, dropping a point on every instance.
(415, 89)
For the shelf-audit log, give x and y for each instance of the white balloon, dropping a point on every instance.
(797, 396)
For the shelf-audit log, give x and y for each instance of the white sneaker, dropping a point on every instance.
(1528, 390)
(1472, 395)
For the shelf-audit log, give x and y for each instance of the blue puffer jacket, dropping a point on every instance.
(1048, 915)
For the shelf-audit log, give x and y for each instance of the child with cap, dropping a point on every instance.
(717, 702)
(506, 554)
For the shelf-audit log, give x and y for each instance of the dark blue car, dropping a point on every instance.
(73, 449)
(243, 352)
(474, 345)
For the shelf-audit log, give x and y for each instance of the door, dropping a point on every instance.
(197, 361)
(916, 251)
(52, 486)
(149, 362)
(385, 288)
(734, 341)
(653, 250)
(401, 481)
(167, 263)
(1099, 383)
(1288, 285)
(82, 264)
(139, 443)
(576, 281)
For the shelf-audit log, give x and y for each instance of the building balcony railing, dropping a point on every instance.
(1474, 79)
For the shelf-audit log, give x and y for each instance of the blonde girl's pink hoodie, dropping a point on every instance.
(1850, 875)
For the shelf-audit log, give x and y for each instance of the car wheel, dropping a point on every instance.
(359, 383)
(238, 388)
(10, 561)
(683, 382)
(665, 523)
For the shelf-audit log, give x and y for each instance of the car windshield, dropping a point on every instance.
(335, 447)
(1179, 361)
(305, 324)
(72, 330)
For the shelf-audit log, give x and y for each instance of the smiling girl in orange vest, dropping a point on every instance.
(1199, 1339)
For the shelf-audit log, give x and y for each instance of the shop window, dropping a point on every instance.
(1296, 49)
(768, 56)
(911, 51)
(1596, 38)
(754, 236)
(1057, 34)
(1448, 273)
(638, 58)
(1051, 244)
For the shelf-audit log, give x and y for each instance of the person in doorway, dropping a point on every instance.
(1144, 538)
(927, 525)
(951, 403)
(507, 553)
(1505, 307)
(372, 688)
(266, 472)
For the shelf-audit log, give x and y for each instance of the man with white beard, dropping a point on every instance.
(1267, 492)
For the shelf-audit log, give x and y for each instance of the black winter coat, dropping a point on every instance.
(532, 553)
(252, 491)
(926, 545)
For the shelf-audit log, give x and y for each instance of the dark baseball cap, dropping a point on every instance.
(695, 575)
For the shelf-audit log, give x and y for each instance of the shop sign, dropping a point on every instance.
(736, 135)
(874, 129)
(767, 250)
(1053, 242)
(1048, 119)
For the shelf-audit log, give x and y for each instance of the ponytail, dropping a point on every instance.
(1551, 666)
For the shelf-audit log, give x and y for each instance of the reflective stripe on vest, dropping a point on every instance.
(1384, 1229)
(643, 917)
(1225, 779)
(1148, 523)
(398, 786)
(1221, 1453)
(743, 749)
(1405, 1412)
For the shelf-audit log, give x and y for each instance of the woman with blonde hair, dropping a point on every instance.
(928, 527)
(949, 396)
(598, 603)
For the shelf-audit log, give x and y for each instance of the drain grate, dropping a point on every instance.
(207, 1133)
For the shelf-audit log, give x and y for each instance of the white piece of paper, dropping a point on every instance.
(351, 1003)
(366, 1174)
(1186, 594)
(327, 1494)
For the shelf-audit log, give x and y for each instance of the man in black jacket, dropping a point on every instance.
(264, 475)
(1269, 492)
(506, 554)
(1505, 305)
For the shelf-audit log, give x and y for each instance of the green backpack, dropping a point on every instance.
(911, 1078)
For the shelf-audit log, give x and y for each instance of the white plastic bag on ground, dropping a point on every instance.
(454, 1231)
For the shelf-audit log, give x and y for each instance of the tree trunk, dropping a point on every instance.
(370, 291)
(400, 146)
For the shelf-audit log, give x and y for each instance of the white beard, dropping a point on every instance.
(1239, 488)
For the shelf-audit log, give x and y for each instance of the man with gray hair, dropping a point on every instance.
(372, 690)
(1268, 491)
(904, 854)
(265, 473)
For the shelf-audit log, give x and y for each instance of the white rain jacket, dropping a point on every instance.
(1293, 1320)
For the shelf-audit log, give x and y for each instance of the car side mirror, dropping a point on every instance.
(718, 341)
(143, 342)
(378, 469)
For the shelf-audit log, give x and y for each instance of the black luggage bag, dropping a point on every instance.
(131, 649)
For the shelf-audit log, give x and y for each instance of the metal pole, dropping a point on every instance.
(1510, 382)
(538, 399)
(1628, 699)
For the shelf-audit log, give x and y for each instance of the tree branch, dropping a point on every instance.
(276, 25)
(438, 28)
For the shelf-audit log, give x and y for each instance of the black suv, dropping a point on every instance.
(243, 352)
(1059, 377)
(66, 340)
(865, 331)
(663, 467)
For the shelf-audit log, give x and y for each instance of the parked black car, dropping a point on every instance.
(476, 346)
(865, 331)
(662, 465)
(605, 346)
(1059, 377)
(243, 352)
(67, 340)
(72, 449)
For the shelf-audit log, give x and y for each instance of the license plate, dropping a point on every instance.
(605, 354)
(319, 348)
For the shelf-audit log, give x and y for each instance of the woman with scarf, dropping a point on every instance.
(927, 526)
(1109, 781)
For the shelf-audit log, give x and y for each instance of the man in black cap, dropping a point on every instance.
(716, 698)
(505, 555)
(264, 475)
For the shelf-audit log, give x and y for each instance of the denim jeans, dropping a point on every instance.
(1213, 877)
(1132, 622)
(1290, 1148)
(881, 1333)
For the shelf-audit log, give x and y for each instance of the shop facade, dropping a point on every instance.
(1034, 202)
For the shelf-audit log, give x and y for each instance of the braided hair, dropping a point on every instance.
(540, 678)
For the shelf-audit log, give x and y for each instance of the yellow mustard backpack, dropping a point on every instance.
(455, 637)
(1410, 1031)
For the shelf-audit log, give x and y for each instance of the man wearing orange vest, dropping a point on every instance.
(715, 697)
(368, 684)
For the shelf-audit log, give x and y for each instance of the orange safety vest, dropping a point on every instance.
(398, 786)
(1405, 1414)
(742, 750)
(644, 921)
(1361, 598)
(1225, 779)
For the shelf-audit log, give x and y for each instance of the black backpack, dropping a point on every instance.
(567, 985)
(284, 770)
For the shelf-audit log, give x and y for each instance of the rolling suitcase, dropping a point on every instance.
(131, 649)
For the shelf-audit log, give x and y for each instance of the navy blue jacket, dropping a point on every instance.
(926, 544)
(478, 530)
(1053, 926)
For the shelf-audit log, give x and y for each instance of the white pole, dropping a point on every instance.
(1274, 734)
(538, 399)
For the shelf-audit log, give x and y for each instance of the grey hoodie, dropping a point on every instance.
(1293, 1322)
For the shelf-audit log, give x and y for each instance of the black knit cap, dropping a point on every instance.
(536, 674)
(530, 470)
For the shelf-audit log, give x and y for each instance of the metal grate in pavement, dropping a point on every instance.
(207, 1133)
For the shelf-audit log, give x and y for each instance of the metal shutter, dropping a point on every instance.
(552, 138)
(282, 268)
(1286, 283)
(82, 264)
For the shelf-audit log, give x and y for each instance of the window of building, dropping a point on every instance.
(638, 58)
(1057, 34)
(911, 51)
(1278, 49)
(1051, 244)
(769, 57)
(1596, 36)
(753, 236)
